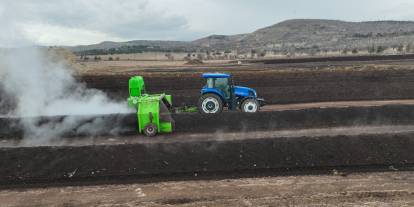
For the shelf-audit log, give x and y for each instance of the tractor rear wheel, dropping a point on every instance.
(150, 130)
(250, 106)
(210, 104)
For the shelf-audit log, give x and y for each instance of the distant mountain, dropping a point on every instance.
(299, 35)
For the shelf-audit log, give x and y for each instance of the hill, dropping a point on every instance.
(298, 35)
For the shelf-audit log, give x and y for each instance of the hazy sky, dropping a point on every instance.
(73, 22)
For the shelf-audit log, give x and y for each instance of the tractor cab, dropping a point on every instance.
(219, 83)
(219, 92)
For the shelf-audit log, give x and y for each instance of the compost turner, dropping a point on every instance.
(154, 110)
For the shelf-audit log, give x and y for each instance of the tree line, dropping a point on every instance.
(130, 50)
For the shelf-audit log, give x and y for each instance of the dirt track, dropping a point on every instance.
(336, 104)
(359, 189)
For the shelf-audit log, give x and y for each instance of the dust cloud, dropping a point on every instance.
(41, 86)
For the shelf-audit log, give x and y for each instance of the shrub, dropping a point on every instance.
(355, 51)
(380, 49)
(400, 48)
(408, 48)
(345, 51)
(371, 49)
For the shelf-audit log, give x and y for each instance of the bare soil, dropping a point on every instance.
(277, 83)
(214, 136)
(301, 84)
(272, 118)
(336, 104)
(358, 189)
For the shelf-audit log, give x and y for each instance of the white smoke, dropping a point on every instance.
(44, 87)
(32, 84)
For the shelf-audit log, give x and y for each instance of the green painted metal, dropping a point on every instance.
(169, 99)
(136, 86)
(151, 109)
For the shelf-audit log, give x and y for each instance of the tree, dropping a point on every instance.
(355, 51)
(110, 58)
(408, 48)
(371, 49)
(400, 48)
(263, 53)
(253, 53)
(345, 51)
(380, 49)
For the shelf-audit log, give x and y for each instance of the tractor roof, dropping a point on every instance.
(215, 75)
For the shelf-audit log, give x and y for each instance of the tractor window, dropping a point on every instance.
(221, 82)
(223, 85)
(210, 83)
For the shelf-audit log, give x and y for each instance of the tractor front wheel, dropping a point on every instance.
(210, 104)
(250, 106)
(150, 130)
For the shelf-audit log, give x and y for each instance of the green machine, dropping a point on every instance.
(153, 110)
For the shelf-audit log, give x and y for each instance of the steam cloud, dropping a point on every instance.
(42, 87)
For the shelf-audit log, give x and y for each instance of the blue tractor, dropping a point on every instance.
(220, 92)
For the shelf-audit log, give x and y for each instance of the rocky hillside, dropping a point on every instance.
(300, 35)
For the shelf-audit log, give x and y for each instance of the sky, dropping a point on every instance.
(80, 22)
